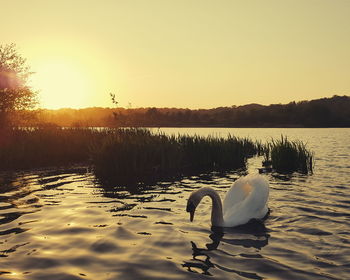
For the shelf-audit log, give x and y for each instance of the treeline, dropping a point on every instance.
(325, 112)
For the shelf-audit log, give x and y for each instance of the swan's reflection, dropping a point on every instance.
(197, 253)
(255, 229)
(251, 235)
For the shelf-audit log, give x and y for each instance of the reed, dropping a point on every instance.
(134, 155)
(43, 147)
(137, 155)
(288, 156)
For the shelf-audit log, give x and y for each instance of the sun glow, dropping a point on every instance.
(62, 84)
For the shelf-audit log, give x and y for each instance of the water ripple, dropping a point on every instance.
(60, 224)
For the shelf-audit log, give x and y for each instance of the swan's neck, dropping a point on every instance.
(217, 219)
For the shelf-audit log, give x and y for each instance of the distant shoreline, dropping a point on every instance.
(321, 113)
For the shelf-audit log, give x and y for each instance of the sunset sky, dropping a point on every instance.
(181, 53)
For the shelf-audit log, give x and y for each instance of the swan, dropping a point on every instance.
(245, 200)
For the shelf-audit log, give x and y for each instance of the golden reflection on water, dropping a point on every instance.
(64, 225)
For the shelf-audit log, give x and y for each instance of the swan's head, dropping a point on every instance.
(192, 204)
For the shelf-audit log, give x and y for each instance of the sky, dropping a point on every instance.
(181, 53)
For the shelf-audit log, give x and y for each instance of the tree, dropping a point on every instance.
(15, 93)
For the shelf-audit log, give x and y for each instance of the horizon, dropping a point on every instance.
(184, 108)
(181, 54)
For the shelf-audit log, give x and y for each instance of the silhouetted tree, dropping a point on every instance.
(15, 94)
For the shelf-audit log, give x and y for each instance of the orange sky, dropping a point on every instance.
(183, 53)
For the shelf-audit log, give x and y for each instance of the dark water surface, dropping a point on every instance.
(64, 225)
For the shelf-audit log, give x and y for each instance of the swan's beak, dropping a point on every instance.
(191, 208)
(191, 215)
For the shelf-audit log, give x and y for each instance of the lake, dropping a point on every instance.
(63, 224)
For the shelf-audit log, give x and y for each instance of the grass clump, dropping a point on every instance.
(134, 155)
(288, 156)
(44, 147)
(137, 155)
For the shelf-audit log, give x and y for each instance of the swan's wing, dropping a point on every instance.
(254, 192)
(236, 194)
(257, 199)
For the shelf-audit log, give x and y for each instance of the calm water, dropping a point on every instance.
(64, 225)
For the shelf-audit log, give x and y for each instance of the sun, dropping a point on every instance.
(62, 84)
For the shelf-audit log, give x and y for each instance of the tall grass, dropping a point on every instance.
(42, 147)
(134, 155)
(122, 156)
(287, 156)
(137, 155)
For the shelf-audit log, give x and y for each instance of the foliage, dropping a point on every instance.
(15, 94)
(287, 156)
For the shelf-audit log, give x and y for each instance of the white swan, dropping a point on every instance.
(245, 200)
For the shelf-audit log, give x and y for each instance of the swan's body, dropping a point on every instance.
(245, 200)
